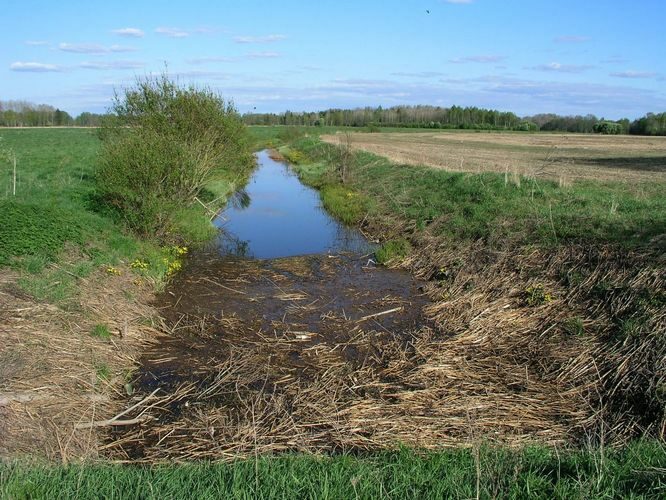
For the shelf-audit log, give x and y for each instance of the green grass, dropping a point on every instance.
(393, 249)
(101, 331)
(347, 205)
(53, 227)
(467, 207)
(636, 472)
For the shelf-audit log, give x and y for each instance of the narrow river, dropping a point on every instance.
(277, 216)
(284, 295)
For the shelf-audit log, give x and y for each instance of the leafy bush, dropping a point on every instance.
(161, 145)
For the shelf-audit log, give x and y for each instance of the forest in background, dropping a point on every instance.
(27, 114)
(456, 117)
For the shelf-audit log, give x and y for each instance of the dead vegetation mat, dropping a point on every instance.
(59, 384)
(554, 346)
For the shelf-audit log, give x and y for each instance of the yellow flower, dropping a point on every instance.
(113, 271)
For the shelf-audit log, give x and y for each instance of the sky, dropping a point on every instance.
(603, 57)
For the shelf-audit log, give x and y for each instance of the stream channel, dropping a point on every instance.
(283, 294)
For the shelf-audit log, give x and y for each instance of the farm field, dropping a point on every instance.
(562, 157)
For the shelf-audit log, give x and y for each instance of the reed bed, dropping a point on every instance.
(56, 378)
(492, 363)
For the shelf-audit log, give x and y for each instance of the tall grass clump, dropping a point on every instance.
(162, 144)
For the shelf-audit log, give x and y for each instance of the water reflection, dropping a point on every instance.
(277, 216)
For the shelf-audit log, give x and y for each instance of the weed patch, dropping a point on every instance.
(393, 250)
(343, 203)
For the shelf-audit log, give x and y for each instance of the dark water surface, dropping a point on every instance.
(277, 216)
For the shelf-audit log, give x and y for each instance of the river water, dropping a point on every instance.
(277, 216)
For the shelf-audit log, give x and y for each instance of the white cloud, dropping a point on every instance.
(263, 55)
(418, 74)
(109, 65)
(172, 32)
(259, 39)
(562, 68)
(634, 74)
(129, 32)
(36, 43)
(34, 67)
(121, 48)
(93, 48)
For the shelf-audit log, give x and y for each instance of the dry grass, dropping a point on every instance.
(562, 157)
(491, 367)
(56, 378)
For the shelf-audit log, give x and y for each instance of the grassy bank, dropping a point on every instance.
(498, 209)
(75, 288)
(637, 472)
(562, 282)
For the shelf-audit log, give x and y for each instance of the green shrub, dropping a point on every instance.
(393, 249)
(162, 144)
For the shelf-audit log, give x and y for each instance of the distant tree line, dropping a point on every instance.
(460, 118)
(27, 114)
(397, 116)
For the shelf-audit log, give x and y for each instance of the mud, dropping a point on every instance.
(309, 300)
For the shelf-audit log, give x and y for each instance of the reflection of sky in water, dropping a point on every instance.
(283, 218)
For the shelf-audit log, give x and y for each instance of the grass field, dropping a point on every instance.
(496, 207)
(636, 472)
(561, 157)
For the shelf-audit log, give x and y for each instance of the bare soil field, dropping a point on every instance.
(562, 157)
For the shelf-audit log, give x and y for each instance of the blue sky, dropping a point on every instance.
(528, 56)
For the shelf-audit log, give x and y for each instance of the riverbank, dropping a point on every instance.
(548, 293)
(75, 297)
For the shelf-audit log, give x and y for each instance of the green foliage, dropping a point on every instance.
(161, 147)
(574, 327)
(343, 203)
(608, 128)
(393, 250)
(537, 295)
(101, 331)
(290, 134)
(486, 472)
(650, 124)
(32, 229)
(294, 156)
